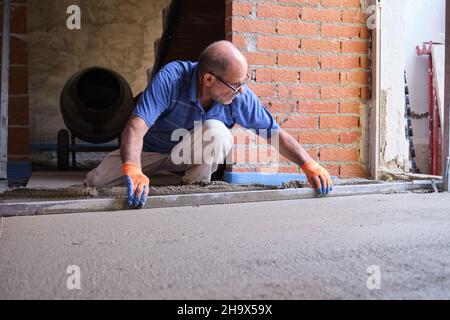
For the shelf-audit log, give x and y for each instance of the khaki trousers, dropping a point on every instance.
(198, 155)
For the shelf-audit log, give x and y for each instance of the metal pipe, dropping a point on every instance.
(4, 93)
(431, 119)
(435, 123)
(446, 119)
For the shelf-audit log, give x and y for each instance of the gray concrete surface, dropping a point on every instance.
(299, 249)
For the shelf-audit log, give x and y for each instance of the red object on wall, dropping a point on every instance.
(435, 156)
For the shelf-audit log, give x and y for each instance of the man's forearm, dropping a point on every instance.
(131, 146)
(291, 149)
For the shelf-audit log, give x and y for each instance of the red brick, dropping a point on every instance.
(353, 171)
(289, 169)
(278, 75)
(263, 90)
(332, 169)
(18, 50)
(281, 106)
(274, 43)
(242, 136)
(355, 47)
(323, 15)
(339, 62)
(356, 16)
(253, 26)
(350, 137)
(267, 170)
(320, 45)
(240, 155)
(339, 154)
(261, 141)
(366, 93)
(297, 60)
(18, 19)
(358, 77)
(277, 11)
(349, 108)
(365, 33)
(364, 62)
(18, 111)
(318, 137)
(284, 168)
(261, 58)
(298, 92)
(18, 80)
(240, 169)
(238, 40)
(339, 93)
(319, 77)
(299, 122)
(318, 107)
(238, 9)
(342, 3)
(313, 152)
(306, 2)
(340, 31)
(265, 154)
(298, 28)
(18, 141)
(339, 122)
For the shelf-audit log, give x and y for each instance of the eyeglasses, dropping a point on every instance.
(235, 89)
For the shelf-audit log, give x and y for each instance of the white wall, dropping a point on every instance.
(425, 21)
(393, 144)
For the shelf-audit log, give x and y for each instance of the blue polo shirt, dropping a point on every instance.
(170, 102)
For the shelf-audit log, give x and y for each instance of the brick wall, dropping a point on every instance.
(309, 60)
(18, 129)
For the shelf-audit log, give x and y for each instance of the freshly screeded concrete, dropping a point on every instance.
(317, 248)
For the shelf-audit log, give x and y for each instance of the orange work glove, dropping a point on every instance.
(318, 177)
(137, 183)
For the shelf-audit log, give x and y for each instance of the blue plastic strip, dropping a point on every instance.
(274, 179)
(18, 172)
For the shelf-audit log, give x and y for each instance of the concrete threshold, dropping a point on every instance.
(34, 208)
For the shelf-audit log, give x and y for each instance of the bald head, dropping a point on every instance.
(222, 57)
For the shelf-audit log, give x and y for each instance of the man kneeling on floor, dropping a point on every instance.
(182, 95)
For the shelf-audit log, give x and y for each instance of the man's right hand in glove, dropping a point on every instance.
(318, 177)
(137, 183)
